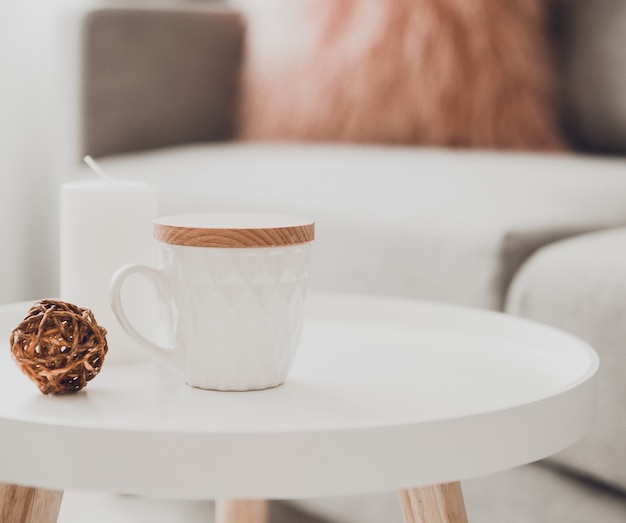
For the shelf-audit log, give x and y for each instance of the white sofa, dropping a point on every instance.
(540, 235)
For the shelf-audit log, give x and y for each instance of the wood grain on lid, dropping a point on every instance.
(234, 230)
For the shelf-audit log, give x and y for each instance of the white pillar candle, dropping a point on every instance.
(105, 225)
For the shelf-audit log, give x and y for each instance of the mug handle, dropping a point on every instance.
(163, 354)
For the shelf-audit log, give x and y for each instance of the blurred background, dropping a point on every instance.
(39, 133)
(40, 101)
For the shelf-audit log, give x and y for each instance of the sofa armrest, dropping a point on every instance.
(159, 77)
(579, 285)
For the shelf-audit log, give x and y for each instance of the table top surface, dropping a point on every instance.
(384, 394)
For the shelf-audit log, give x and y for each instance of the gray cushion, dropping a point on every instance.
(592, 40)
(579, 285)
(430, 223)
(157, 77)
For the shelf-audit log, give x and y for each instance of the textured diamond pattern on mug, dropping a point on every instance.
(241, 298)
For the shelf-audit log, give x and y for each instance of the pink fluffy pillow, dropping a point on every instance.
(470, 73)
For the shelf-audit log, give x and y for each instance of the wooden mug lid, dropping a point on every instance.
(233, 230)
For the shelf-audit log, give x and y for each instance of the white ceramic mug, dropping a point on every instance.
(234, 288)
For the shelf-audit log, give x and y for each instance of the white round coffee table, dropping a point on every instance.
(384, 394)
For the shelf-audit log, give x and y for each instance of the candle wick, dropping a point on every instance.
(96, 168)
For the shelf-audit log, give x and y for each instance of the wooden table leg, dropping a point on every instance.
(29, 504)
(435, 504)
(241, 511)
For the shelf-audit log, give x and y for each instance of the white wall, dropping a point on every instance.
(40, 61)
(39, 137)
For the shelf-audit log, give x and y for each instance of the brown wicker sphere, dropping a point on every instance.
(59, 346)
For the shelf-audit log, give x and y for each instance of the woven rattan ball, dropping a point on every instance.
(59, 346)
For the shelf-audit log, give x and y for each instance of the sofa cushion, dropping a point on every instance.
(579, 285)
(436, 224)
(428, 223)
(431, 73)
